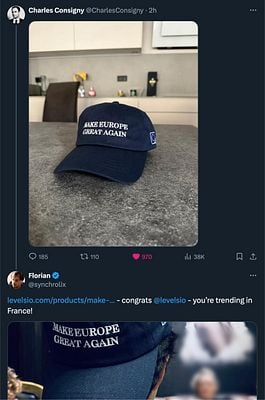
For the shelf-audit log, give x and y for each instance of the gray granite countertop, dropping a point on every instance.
(77, 209)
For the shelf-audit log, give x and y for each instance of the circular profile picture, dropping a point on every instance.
(16, 279)
(16, 14)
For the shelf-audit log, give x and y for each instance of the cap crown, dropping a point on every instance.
(99, 344)
(116, 125)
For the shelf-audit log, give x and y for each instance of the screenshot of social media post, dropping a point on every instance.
(132, 200)
(132, 360)
(113, 127)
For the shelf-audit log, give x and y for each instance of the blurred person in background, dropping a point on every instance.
(216, 342)
(205, 384)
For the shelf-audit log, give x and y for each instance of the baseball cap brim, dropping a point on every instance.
(127, 381)
(125, 166)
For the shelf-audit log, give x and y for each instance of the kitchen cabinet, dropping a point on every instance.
(51, 36)
(161, 110)
(36, 104)
(173, 34)
(108, 35)
(63, 36)
(171, 110)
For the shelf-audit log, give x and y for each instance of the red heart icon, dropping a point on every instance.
(136, 256)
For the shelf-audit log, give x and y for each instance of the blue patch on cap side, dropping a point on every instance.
(152, 137)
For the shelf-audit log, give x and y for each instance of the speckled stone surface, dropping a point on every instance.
(78, 209)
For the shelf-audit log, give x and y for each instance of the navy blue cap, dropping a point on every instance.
(112, 141)
(104, 360)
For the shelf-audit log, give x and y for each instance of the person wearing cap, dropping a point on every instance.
(107, 360)
(112, 142)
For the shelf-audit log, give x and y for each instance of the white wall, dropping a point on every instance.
(177, 73)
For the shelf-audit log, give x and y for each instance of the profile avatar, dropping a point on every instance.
(16, 279)
(16, 14)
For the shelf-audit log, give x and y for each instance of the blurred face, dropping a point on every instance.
(206, 388)
(15, 12)
(16, 282)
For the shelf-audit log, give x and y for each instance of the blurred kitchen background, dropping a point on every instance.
(151, 65)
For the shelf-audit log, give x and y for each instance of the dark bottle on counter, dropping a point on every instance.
(151, 83)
